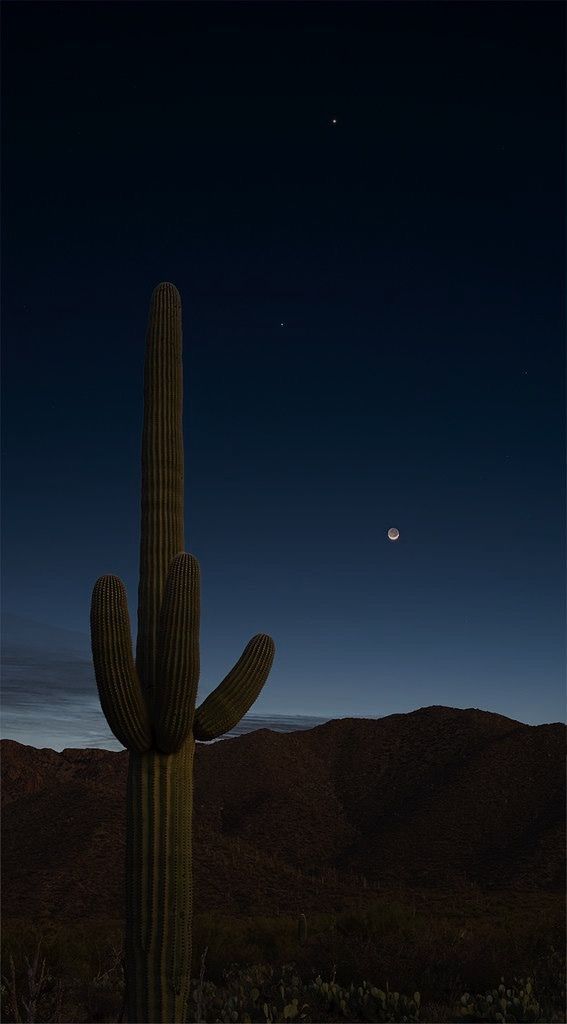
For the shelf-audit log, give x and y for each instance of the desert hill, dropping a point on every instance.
(440, 798)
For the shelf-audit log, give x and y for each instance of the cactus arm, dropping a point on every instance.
(232, 698)
(118, 685)
(177, 655)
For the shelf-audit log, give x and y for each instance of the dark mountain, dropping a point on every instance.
(436, 799)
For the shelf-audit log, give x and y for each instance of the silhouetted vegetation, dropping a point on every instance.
(478, 958)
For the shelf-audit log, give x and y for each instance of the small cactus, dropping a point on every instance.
(302, 929)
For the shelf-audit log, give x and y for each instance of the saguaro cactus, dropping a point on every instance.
(150, 703)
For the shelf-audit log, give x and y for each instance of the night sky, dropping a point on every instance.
(362, 207)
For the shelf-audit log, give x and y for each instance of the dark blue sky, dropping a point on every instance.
(414, 254)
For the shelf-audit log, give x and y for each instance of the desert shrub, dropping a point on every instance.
(519, 1001)
(261, 993)
(441, 955)
(74, 972)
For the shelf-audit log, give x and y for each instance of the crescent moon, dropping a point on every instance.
(393, 534)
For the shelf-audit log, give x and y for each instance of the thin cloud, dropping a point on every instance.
(50, 699)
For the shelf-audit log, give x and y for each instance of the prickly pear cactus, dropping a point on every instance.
(149, 703)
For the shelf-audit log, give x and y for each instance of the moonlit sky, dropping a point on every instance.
(362, 208)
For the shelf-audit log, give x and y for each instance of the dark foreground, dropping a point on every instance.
(420, 956)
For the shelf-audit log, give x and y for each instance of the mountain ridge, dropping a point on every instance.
(437, 798)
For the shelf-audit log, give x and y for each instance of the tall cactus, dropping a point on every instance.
(150, 703)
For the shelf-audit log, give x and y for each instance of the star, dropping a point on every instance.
(282, 324)
(333, 120)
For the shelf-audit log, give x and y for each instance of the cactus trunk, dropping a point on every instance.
(159, 884)
(150, 704)
(162, 523)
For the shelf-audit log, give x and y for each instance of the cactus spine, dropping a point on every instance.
(149, 703)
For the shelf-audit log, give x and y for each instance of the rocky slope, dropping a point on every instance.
(436, 799)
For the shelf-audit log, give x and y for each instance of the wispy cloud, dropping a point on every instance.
(50, 698)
